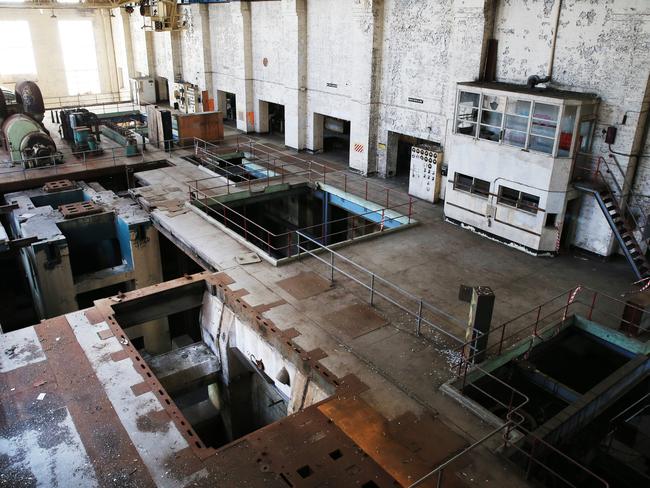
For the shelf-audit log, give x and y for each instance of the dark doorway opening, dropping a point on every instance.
(16, 303)
(230, 108)
(399, 155)
(276, 119)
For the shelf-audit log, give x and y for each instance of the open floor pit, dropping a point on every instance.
(575, 388)
(225, 379)
(283, 220)
(237, 167)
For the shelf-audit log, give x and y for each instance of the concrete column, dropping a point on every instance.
(149, 43)
(128, 43)
(241, 16)
(54, 291)
(295, 107)
(202, 12)
(177, 55)
(367, 39)
(145, 252)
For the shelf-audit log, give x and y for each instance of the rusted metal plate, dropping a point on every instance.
(58, 185)
(58, 406)
(307, 450)
(79, 209)
(408, 447)
(304, 285)
(356, 320)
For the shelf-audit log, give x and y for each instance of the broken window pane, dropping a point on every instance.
(467, 113)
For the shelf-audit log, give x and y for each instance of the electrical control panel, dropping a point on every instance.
(425, 173)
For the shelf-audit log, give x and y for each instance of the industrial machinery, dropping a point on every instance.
(426, 172)
(24, 136)
(123, 136)
(186, 97)
(80, 128)
(162, 15)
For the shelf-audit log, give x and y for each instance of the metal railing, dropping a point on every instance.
(549, 317)
(88, 159)
(204, 194)
(103, 100)
(600, 172)
(381, 288)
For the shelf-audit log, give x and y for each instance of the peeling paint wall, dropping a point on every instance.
(381, 53)
(603, 46)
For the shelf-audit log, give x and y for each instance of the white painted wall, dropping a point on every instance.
(47, 48)
(381, 52)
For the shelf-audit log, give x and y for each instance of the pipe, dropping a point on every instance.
(551, 60)
(535, 80)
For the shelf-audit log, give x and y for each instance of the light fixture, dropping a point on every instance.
(52, 16)
(112, 14)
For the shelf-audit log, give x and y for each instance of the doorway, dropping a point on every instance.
(398, 164)
(227, 103)
(332, 137)
(271, 120)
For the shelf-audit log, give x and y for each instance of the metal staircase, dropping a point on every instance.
(599, 187)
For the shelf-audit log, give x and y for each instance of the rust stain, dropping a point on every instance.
(386, 445)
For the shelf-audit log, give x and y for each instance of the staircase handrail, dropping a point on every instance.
(630, 206)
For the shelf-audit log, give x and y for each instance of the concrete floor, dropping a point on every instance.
(430, 260)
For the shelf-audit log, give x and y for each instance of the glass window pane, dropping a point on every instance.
(494, 103)
(566, 130)
(508, 196)
(528, 202)
(517, 123)
(586, 131)
(463, 182)
(481, 187)
(514, 138)
(79, 58)
(544, 120)
(518, 107)
(491, 118)
(489, 133)
(467, 113)
(546, 112)
(541, 144)
(17, 52)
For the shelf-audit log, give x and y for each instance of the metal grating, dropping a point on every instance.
(80, 209)
(58, 185)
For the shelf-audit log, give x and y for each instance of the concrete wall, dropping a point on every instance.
(395, 64)
(602, 47)
(48, 55)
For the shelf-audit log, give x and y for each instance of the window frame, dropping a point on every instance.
(561, 105)
(518, 204)
(33, 68)
(472, 188)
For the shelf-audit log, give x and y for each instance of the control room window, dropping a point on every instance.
(543, 127)
(567, 126)
(472, 185)
(516, 128)
(467, 113)
(17, 52)
(79, 56)
(518, 199)
(492, 117)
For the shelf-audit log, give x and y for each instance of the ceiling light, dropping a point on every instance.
(52, 16)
